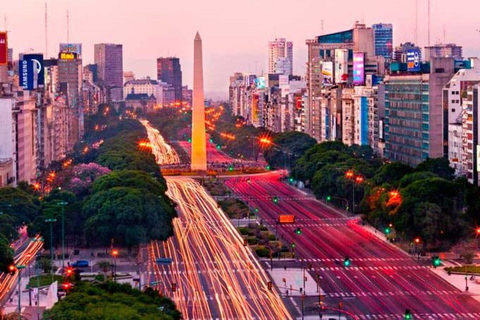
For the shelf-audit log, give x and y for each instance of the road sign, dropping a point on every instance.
(286, 219)
(164, 261)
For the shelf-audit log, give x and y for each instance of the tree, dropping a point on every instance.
(105, 266)
(6, 254)
(18, 204)
(439, 166)
(112, 301)
(391, 173)
(45, 265)
(468, 257)
(288, 147)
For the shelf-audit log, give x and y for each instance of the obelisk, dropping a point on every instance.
(199, 140)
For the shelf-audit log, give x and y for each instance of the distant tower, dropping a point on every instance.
(199, 140)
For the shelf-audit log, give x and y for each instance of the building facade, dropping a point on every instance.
(109, 61)
(170, 71)
(383, 39)
(280, 56)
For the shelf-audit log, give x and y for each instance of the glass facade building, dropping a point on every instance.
(383, 39)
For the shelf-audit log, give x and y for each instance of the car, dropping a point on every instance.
(80, 264)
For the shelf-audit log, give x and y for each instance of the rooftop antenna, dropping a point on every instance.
(416, 22)
(5, 22)
(322, 27)
(444, 35)
(46, 32)
(68, 27)
(429, 23)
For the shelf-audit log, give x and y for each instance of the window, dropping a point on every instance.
(453, 109)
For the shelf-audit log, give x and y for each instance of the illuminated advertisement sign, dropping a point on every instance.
(413, 60)
(358, 68)
(260, 83)
(71, 48)
(3, 49)
(298, 103)
(341, 66)
(27, 74)
(67, 56)
(327, 72)
(37, 60)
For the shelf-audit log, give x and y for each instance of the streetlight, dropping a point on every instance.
(12, 268)
(114, 255)
(63, 204)
(51, 221)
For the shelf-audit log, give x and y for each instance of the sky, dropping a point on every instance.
(235, 33)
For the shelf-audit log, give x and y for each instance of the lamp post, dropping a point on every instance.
(63, 204)
(114, 255)
(51, 221)
(19, 269)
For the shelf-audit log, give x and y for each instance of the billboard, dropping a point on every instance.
(341, 65)
(3, 49)
(358, 68)
(37, 60)
(327, 72)
(260, 83)
(67, 56)
(71, 48)
(27, 74)
(413, 60)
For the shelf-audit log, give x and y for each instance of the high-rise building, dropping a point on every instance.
(383, 39)
(170, 71)
(69, 82)
(280, 50)
(471, 135)
(414, 114)
(449, 50)
(400, 52)
(109, 61)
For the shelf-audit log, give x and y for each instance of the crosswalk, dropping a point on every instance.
(390, 294)
(371, 259)
(375, 268)
(423, 316)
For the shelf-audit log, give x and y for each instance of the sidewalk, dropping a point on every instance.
(294, 282)
(458, 281)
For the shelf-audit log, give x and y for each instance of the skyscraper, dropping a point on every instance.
(278, 49)
(199, 139)
(109, 61)
(170, 71)
(383, 38)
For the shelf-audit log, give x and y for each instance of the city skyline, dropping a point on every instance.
(235, 40)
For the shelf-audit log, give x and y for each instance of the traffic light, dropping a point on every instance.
(267, 167)
(230, 168)
(219, 147)
(293, 245)
(68, 271)
(275, 199)
(174, 287)
(291, 180)
(347, 262)
(189, 140)
(66, 286)
(270, 285)
(387, 230)
(408, 315)
(436, 262)
(329, 198)
(256, 210)
(12, 269)
(298, 231)
(211, 140)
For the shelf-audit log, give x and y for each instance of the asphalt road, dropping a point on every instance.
(382, 281)
(214, 275)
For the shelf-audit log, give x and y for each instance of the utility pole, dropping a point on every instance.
(51, 221)
(63, 204)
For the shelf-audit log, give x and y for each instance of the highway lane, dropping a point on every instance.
(382, 280)
(215, 275)
(164, 153)
(8, 281)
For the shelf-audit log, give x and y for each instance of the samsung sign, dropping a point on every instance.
(37, 60)
(27, 74)
(413, 60)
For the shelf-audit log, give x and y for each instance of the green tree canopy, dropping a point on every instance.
(6, 254)
(112, 301)
(287, 148)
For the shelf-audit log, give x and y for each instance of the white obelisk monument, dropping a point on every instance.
(199, 139)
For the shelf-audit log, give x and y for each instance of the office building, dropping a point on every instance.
(144, 86)
(414, 114)
(109, 61)
(169, 71)
(383, 39)
(471, 134)
(280, 54)
(449, 50)
(400, 52)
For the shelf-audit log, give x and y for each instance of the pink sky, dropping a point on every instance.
(234, 33)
